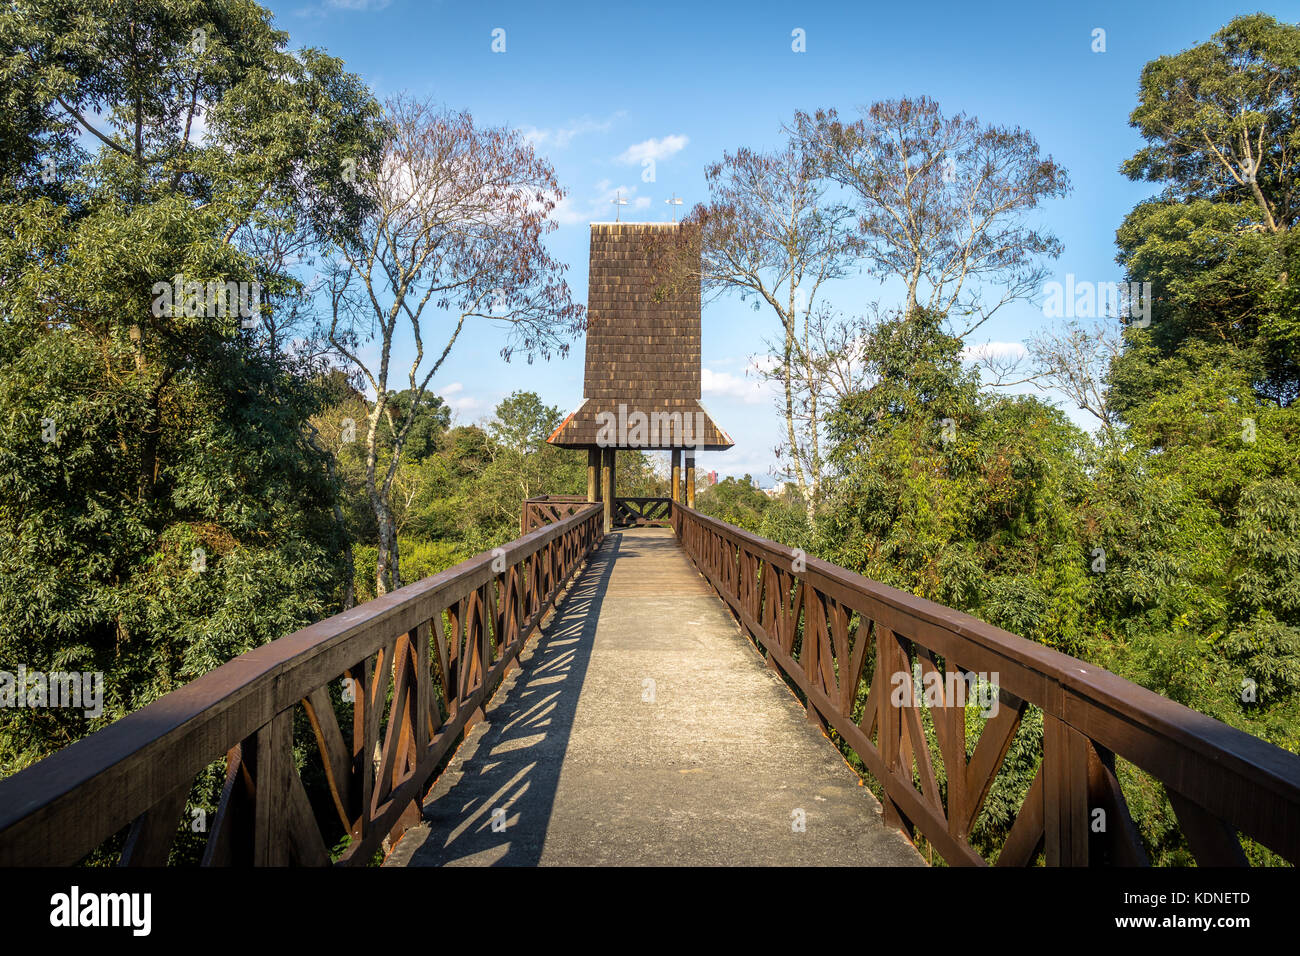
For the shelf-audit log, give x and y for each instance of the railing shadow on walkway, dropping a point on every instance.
(493, 804)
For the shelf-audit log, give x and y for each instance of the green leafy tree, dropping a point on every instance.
(735, 501)
(162, 505)
(1216, 244)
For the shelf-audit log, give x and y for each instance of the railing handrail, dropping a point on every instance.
(1218, 767)
(110, 777)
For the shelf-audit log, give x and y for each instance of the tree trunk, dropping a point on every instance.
(387, 576)
(387, 571)
(787, 376)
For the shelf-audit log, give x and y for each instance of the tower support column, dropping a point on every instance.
(607, 487)
(593, 473)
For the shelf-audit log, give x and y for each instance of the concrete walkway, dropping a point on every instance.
(642, 728)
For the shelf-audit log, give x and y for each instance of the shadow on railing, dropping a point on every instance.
(833, 633)
(412, 670)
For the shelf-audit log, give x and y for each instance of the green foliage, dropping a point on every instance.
(737, 502)
(161, 507)
(1217, 244)
(420, 559)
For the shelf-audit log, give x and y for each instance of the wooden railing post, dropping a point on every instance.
(274, 750)
(1065, 794)
(891, 660)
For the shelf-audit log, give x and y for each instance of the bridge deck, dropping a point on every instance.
(642, 728)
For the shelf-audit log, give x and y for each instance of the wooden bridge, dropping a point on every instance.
(673, 691)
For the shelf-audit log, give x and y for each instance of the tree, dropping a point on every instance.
(956, 494)
(456, 218)
(1217, 244)
(1220, 119)
(1264, 639)
(735, 501)
(770, 233)
(522, 464)
(1075, 361)
(942, 202)
(162, 508)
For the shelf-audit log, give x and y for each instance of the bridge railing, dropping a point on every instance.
(626, 513)
(829, 631)
(643, 512)
(548, 509)
(412, 669)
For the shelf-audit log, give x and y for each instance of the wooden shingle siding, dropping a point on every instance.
(641, 353)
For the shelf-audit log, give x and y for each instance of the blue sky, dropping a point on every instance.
(597, 87)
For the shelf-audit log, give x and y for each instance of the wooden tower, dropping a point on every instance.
(642, 383)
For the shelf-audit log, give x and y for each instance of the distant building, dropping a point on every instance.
(777, 490)
(711, 478)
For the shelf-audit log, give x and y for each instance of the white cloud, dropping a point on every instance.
(600, 207)
(466, 403)
(358, 4)
(561, 136)
(452, 389)
(1002, 351)
(655, 149)
(749, 390)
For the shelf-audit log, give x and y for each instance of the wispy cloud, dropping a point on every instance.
(322, 10)
(655, 149)
(452, 388)
(561, 136)
(1004, 351)
(748, 389)
(464, 404)
(600, 206)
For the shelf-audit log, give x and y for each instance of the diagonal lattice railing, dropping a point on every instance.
(834, 634)
(626, 513)
(404, 675)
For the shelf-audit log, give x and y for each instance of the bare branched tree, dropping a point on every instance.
(942, 203)
(770, 233)
(1070, 360)
(826, 364)
(455, 233)
(1075, 361)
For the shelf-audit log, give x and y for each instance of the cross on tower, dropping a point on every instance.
(674, 202)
